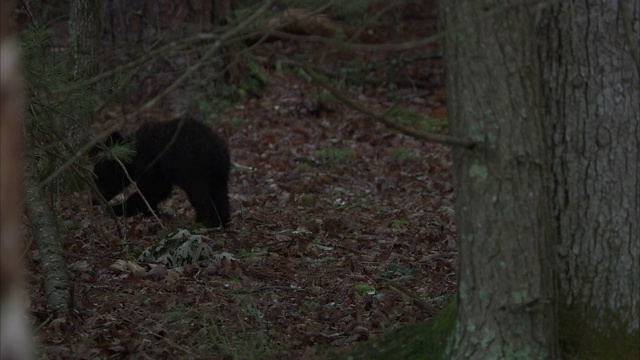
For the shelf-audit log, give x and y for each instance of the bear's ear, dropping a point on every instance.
(113, 139)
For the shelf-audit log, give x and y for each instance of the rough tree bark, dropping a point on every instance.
(589, 105)
(85, 26)
(506, 286)
(592, 92)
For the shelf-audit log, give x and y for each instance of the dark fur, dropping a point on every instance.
(197, 161)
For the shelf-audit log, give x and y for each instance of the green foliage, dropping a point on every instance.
(321, 95)
(257, 78)
(59, 106)
(580, 339)
(364, 289)
(399, 223)
(392, 269)
(47, 77)
(355, 73)
(123, 152)
(217, 338)
(306, 199)
(402, 155)
(332, 156)
(411, 118)
(441, 328)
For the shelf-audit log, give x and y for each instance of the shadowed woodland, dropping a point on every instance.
(341, 229)
(348, 126)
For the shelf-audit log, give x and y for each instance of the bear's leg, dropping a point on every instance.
(220, 198)
(197, 190)
(153, 190)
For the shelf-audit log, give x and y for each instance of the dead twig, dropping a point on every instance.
(267, 288)
(403, 291)
(160, 336)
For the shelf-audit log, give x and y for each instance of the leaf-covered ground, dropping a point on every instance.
(342, 230)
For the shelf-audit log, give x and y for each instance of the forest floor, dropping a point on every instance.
(342, 230)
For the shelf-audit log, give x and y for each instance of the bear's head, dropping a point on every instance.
(110, 178)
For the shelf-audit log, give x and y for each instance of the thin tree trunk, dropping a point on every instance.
(592, 87)
(506, 286)
(221, 13)
(85, 26)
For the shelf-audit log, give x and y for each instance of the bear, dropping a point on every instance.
(181, 152)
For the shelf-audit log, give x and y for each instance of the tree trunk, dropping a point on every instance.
(506, 235)
(221, 13)
(85, 26)
(591, 84)
(15, 340)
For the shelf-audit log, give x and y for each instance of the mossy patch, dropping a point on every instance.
(581, 339)
(426, 340)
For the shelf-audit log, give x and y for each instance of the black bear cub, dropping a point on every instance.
(181, 152)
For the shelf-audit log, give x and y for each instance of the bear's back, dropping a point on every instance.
(181, 146)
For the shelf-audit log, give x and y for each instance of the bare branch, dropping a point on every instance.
(381, 118)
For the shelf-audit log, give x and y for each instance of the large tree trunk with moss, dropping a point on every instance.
(592, 91)
(506, 235)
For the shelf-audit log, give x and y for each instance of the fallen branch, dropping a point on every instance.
(267, 288)
(381, 118)
(57, 284)
(430, 309)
